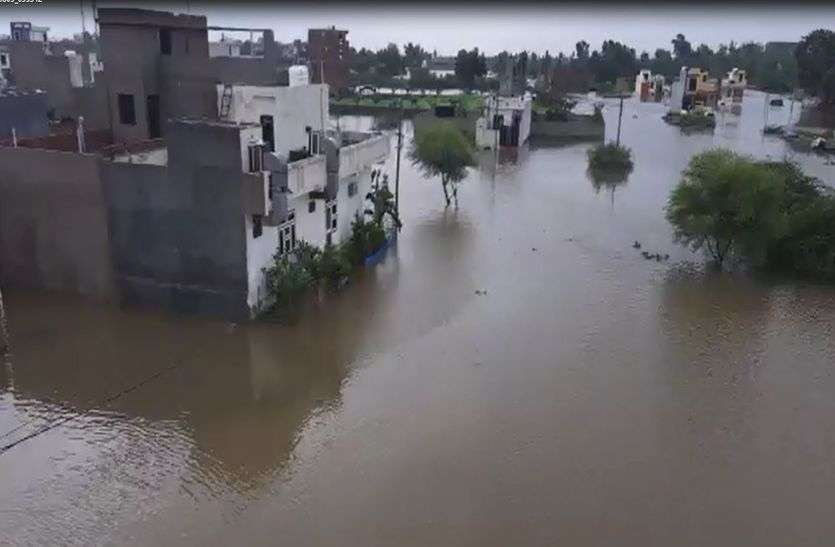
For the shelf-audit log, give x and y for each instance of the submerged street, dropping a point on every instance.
(512, 373)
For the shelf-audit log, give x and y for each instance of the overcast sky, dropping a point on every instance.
(492, 28)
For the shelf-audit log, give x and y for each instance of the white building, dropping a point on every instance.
(649, 86)
(506, 122)
(732, 90)
(318, 178)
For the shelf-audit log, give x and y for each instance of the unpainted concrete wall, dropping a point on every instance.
(178, 232)
(53, 223)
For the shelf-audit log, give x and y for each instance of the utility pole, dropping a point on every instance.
(620, 116)
(397, 171)
(4, 333)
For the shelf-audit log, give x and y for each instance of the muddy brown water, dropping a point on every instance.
(513, 373)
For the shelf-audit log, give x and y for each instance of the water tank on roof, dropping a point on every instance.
(298, 75)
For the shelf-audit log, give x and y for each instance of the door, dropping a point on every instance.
(153, 117)
(268, 132)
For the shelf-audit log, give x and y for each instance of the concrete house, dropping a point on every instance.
(649, 87)
(319, 178)
(732, 90)
(200, 186)
(29, 61)
(506, 122)
(158, 66)
(693, 88)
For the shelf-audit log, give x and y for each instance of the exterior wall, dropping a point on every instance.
(310, 227)
(349, 207)
(292, 109)
(677, 95)
(53, 223)
(25, 113)
(178, 233)
(259, 254)
(32, 69)
(130, 43)
(584, 127)
(356, 158)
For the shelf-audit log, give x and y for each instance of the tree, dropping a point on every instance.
(442, 150)
(816, 63)
(681, 47)
(582, 50)
(391, 63)
(469, 65)
(727, 203)
(414, 55)
(363, 61)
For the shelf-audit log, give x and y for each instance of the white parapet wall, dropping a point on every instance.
(307, 175)
(356, 158)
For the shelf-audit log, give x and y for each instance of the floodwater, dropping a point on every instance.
(513, 373)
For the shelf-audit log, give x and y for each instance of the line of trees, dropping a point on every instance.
(775, 66)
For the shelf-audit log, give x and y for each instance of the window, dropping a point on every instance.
(257, 226)
(704, 77)
(313, 140)
(270, 187)
(165, 41)
(287, 235)
(311, 207)
(352, 189)
(256, 156)
(330, 216)
(127, 112)
(4, 60)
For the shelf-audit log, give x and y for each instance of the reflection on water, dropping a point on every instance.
(513, 372)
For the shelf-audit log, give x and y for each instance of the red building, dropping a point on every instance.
(328, 53)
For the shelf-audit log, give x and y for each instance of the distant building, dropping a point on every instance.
(328, 53)
(440, 67)
(732, 90)
(26, 32)
(64, 69)
(649, 87)
(693, 88)
(23, 111)
(506, 122)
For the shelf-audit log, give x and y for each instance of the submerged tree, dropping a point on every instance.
(727, 203)
(382, 201)
(442, 150)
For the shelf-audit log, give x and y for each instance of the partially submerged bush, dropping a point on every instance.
(609, 156)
